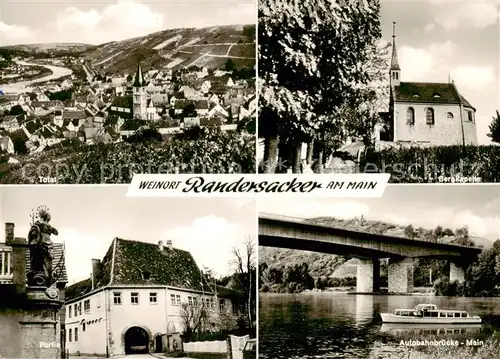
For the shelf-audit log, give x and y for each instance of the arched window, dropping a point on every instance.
(429, 116)
(410, 116)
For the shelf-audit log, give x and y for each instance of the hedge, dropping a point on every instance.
(427, 164)
(217, 152)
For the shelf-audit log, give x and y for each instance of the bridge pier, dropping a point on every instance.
(400, 275)
(457, 273)
(368, 276)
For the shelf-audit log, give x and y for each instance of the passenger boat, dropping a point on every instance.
(431, 329)
(429, 314)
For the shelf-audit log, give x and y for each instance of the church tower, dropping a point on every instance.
(139, 95)
(395, 71)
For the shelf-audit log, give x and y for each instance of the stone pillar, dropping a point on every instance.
(19, 261)
(457, 273)
(39, 336)
(368, 275)
(9, 233)
(400, 275)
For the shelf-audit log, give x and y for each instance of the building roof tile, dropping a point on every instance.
(427, 92)
(127, 261)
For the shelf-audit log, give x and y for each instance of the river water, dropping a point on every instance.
(23, 86)
(335, 325)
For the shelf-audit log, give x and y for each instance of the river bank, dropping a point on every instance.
(24, 86)
(42, 72)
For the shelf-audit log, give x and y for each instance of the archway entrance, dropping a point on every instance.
(136, 341)
(158, 344)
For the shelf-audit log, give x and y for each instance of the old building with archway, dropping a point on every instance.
(134, 299)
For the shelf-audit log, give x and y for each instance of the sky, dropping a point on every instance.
(88, 218)
(457, 39)
(427, 206)
(95, 22)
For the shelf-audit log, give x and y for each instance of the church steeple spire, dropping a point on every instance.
(395, 70)
(139, 79)
(394, 59)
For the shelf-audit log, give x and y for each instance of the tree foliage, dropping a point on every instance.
(494, 133)
(193, 317)
(290, 279)
(318, 62)
(16, 110)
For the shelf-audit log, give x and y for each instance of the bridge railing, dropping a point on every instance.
(310, 221)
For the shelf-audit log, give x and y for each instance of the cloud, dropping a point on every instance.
(429, 27)
(210, 240)
(118, 21)
(80, 249)
(14, 34)
(477, 14)
(231, 14)
(475, 78)
(125, 19)
(422, 64)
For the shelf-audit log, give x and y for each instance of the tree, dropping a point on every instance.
(61, 95)
(244, 266)
(494, 133)
(315, 62)
(16, 110)
(247, 124)
(193, 317)
(189, 110)
(19, 140)
(483, 276)
(438, 231)
(145, 135)
(448, 232)
(229, 66)
(410, 231)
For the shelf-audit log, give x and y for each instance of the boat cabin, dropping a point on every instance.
(430, 311)
(425, 307)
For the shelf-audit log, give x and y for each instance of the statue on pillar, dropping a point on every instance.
(39, 243)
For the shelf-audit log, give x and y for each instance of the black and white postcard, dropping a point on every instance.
(413, 274)
(409, 88)
(87, 272)
(95, 91)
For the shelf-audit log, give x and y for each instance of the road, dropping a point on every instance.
(22, 86)
(203, 55)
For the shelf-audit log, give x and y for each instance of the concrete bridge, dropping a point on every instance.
(368, 248)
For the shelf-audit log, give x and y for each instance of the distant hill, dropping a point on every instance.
(54, 47)
(209, 47)
(178, 48)
(330, 265)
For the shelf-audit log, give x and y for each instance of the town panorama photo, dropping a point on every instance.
(93, 92)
